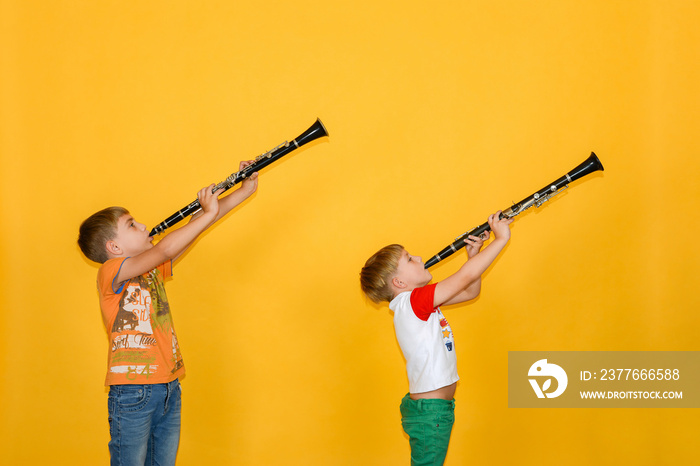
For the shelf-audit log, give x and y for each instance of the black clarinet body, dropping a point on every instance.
(590, 165)
(315, 131)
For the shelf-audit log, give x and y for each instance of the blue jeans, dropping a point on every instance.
(144, 424)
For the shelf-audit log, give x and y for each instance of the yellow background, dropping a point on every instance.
(440, 113)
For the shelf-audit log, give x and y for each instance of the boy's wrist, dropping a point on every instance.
(248, 189)
(208, 216)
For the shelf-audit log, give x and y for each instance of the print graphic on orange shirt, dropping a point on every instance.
(144, 318)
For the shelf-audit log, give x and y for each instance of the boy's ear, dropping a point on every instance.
(398, 283)
(113, 248)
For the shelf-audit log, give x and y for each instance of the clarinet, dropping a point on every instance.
(315, 131)
(590, 165)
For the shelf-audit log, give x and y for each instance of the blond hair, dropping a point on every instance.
(375, 277)
(96, 230)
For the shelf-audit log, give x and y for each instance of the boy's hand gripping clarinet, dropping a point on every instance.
(590, 165)
(315, 131)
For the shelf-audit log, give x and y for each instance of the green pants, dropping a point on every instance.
(428, 424)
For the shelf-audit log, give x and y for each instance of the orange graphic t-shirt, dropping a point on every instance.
(143, 347)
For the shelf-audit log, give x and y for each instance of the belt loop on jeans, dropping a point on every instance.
(168, 391)
(171, 385)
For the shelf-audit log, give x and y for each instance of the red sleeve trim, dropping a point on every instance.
(422, 301)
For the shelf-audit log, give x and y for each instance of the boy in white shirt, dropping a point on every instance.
(425, 337)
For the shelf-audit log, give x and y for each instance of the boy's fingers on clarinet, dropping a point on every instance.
(497, 218)
(207, 191)
(471, 239)
(506, 220)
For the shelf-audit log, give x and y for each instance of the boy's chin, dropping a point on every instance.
(145, 248)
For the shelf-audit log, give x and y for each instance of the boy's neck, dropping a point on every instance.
(408, 287)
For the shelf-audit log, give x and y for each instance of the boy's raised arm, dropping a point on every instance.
(174, 243)
(228, 203)
(458, 287)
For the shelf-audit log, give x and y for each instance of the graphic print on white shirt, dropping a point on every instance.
(447, 336)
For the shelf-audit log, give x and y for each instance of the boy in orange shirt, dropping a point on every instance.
(144, 360)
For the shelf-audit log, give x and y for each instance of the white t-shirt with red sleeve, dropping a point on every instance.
(425, 339)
